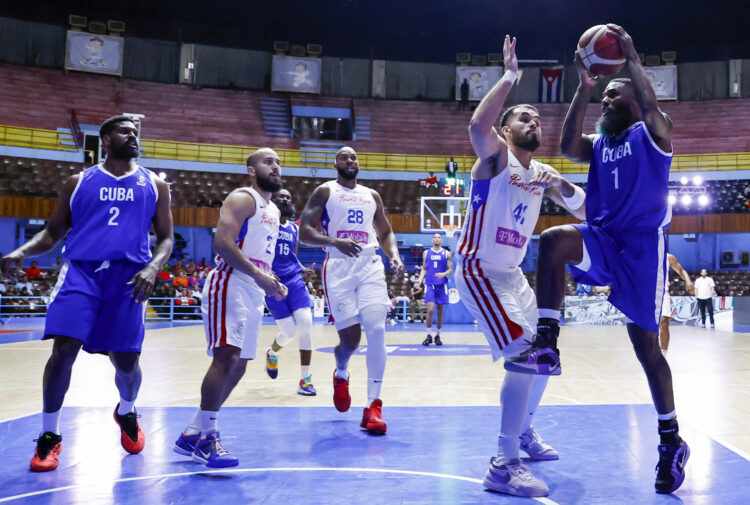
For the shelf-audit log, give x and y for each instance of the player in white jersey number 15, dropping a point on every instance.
(349, 221)
(507, 190)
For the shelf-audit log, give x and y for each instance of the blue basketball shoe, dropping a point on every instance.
(272, 363)
(670, 470)
(185, 444)
(306, 387)
(210, 452)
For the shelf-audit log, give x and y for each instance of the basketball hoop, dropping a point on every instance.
(450, 230)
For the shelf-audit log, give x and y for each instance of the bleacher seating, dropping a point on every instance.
(44, 98)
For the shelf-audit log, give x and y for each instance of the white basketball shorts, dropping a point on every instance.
(351, 284)
(502, 302)
(232, 313)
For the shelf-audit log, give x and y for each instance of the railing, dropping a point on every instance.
(217, 153)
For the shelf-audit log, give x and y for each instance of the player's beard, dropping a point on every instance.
(616, 121)
(528, 143)
(266, 184)
(125, 151)
(286, 210)
(344, 174)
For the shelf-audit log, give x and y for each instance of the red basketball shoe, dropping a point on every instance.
(131, 434)
(372, 418)
(48, 447)
(341, 398)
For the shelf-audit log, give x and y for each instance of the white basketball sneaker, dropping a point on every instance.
(533, 445)
(513, 478)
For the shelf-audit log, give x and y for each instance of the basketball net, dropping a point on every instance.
(450, 230)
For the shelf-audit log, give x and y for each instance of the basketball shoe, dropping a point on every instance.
(306, 388)
(437, 340)
(211, 453)
(132, 438)
(48, 448)
(272, 363)
(670, 470)
(543, 356)
(513, 478)
(533, 445)
(185, 444)
(428, 340)
(341, 398)
(372, 418)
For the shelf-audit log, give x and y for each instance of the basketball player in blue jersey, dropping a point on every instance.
(622, 243)
(293, 313)
(437, 266)
(99, 301)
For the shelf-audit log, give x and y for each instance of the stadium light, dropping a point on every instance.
(703, 200)
(686, 199)
(697, 180)
(683, 180)
(672, 199)
(163, 176)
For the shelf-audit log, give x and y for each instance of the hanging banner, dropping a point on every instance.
(480, 80)
(300, 75)
(664, 81)
(89, 52)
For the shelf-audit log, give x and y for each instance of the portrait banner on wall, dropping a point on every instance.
(480, 80)
(89, 52)
(664, 81)
(597, 311)
(300, 75)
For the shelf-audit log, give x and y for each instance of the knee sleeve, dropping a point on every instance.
(303, 317)
(287, 329)
(373, 322)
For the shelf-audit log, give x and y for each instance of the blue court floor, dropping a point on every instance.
(315, 455)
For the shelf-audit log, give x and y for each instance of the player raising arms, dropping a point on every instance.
(353, 223)
(623, 242)
(507, 189)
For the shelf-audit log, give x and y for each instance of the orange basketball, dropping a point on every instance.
(600, 51)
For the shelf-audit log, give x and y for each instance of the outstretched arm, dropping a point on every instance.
(658, 123)
(574, 144)
(57, 226)
(486, 140)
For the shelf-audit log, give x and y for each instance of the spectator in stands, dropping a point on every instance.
(464, 89)
(33, 272)
(583, 289)
(22, 283)
(451, 168)
(190, 268)
(164, 276)
(180, 280)
(55, 268)
(202, 266)
(185, 301)
(202, 200)
(195, 281)
(705, 290)
(601, 290)
(418, 308)
(10, 303)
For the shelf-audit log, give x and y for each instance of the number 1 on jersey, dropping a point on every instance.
(617, 186)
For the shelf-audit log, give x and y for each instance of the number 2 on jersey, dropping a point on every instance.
(114, 212)
(519, 211)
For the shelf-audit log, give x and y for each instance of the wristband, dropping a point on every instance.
(576, 200)
(512, 74)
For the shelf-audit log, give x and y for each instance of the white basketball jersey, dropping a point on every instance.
(257, 237)
(349, 213)
(502, 216)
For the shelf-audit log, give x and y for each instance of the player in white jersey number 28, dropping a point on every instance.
(352, 225)
(507, 190)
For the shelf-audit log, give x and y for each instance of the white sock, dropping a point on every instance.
(305, 371)
(51, 422)
(514, 398)
(667, 417)
(209, 422)
(342, 374)
(538, 386)
(429, 330)
(437, 333)
(194, 428)
(126, 407)
(549, 314)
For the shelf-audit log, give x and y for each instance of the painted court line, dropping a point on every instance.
(545, 501)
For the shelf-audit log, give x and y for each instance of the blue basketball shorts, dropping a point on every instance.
(436, 293)
(91, 302)
(634, 264)
(297, 298)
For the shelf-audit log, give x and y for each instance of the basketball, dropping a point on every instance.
(600, 51)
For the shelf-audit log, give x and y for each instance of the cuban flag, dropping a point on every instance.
(550, 84)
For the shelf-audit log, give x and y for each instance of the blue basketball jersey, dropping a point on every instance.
(111, 216)
(628, 183)
(285, 263)
(435, 262)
